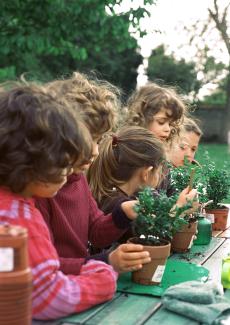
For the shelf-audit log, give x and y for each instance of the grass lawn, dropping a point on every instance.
(219, 153)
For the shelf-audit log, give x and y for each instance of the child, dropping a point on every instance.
(40, 140)
(72, 215)
(161, 110)
(128, 161)
(186, 144)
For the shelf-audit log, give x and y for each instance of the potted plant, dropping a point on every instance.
(158, 220)
(217, 183)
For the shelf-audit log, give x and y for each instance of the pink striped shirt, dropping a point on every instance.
(54, 293)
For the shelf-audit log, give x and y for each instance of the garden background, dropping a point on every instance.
(49, 39)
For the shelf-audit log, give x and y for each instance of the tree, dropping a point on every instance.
(220, 18)
(173, 72)
(208, 37)
(51, 38)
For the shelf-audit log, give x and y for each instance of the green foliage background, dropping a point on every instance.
(51, 38)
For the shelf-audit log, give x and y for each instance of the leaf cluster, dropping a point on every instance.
(217, 182)
(211, 182)
(180, 178)
(158, 216)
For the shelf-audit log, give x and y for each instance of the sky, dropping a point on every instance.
(169, 17)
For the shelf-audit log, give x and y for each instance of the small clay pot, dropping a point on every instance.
(152, 273)
(221, 218)
(182, 241)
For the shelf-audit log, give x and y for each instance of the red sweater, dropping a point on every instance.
(74, 218)
(55, 294)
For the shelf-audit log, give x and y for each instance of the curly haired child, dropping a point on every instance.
(40, 140)
(161, 110)
(73, 216)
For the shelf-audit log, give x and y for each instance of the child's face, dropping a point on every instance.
(161, 124)
(46, 190)
(186, 146)
(85, 166)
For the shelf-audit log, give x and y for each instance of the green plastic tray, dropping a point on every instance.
(175, 272)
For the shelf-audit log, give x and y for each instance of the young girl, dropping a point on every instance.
(186, 144)
(40, 140)
(127, 161)
(161, 110)
(72, 215)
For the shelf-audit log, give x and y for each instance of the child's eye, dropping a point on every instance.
(182, 146)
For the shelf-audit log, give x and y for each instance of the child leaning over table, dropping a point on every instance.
(128, 161)
(73, 216)
(40, 140)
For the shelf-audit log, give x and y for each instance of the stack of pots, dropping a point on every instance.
(15, 276)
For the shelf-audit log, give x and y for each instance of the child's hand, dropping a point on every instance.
(128, 257)
(128, 208)
(186, 196)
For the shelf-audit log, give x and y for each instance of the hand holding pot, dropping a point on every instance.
(128, 257)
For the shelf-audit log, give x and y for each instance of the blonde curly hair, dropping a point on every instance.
(97, 101)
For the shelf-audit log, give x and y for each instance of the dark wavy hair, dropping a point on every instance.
(39, 136)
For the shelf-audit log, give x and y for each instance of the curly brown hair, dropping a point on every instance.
(148, 100)
(97, 101)
(39, 136)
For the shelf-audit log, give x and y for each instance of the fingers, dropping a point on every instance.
(131, 247)
(128, 257)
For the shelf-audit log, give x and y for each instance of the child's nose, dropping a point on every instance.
(167, 127)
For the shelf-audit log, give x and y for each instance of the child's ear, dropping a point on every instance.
(145, 173)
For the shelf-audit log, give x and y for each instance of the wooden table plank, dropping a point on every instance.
(214, 263)
(84, 316)
(217, 233)
(128, 309)
(166, 317)
(226, 233)
(199, 253)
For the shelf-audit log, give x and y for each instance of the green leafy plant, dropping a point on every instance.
(158, 216)
(180, 177)
(211, 182)
(217, 182)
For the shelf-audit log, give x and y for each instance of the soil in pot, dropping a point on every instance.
(152, 273)
(182, 241)
(221, 218)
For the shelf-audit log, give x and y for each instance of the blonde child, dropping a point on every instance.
(186, 144)
(72, 215)
(127, 161)
(40, 140)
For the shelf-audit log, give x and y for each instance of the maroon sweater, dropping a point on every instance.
(74, 219)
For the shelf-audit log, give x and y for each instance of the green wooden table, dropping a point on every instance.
(132, 309)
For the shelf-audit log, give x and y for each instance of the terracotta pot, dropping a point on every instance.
(15, 277)
(182, 241)
(221, 218)
(152, 273)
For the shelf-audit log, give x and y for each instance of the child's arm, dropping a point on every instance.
(55, 294)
